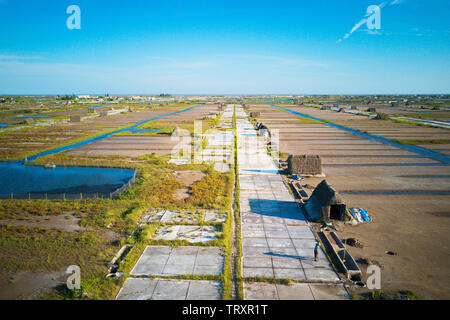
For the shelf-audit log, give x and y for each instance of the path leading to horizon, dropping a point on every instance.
(277, 241)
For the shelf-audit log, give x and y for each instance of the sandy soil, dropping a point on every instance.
(187, 177)
(68, 222)
(30, 285)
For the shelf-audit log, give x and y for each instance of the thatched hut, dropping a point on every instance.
(325, 204)
(304, 164)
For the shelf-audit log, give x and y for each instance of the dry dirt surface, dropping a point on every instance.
(29, 285)
(414, 224)
(68, 222)
(138, 145)
(187, 177)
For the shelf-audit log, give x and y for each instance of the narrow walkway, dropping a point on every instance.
(277, 241)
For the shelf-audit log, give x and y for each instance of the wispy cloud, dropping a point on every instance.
(12, 57)
(276, 60)
(364, 20)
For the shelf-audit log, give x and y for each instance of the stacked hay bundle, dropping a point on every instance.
(304, 164)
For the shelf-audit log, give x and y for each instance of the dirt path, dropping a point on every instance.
(234, 251)
(234, 255)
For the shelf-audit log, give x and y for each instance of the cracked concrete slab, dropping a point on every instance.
(295, 291)
(168, 289)
(191, 217)
(178, 261)
(193, 234)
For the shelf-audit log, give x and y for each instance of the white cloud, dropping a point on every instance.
(11, 57)
(396, 2)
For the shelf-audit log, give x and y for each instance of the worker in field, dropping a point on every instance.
(316, 251)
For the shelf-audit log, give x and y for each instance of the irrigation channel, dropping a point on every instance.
(429, 154)
(19, 180)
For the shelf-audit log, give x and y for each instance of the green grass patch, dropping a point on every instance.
(50, 249)
(422, 141)
(399, 295)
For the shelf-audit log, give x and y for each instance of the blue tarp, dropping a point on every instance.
(359, 214)
(364, 214)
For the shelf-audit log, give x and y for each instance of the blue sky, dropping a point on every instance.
(224, 47)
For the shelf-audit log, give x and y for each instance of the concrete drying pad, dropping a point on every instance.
(286, 263)
(222, 167)
(294, 291)
(193, 234)
(277, 241)
(178, 261)
(168, 216)
(165, 289)
(179, 161)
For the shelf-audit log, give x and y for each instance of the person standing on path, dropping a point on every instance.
(316, 250)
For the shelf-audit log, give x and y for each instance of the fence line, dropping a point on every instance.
(124, 187)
